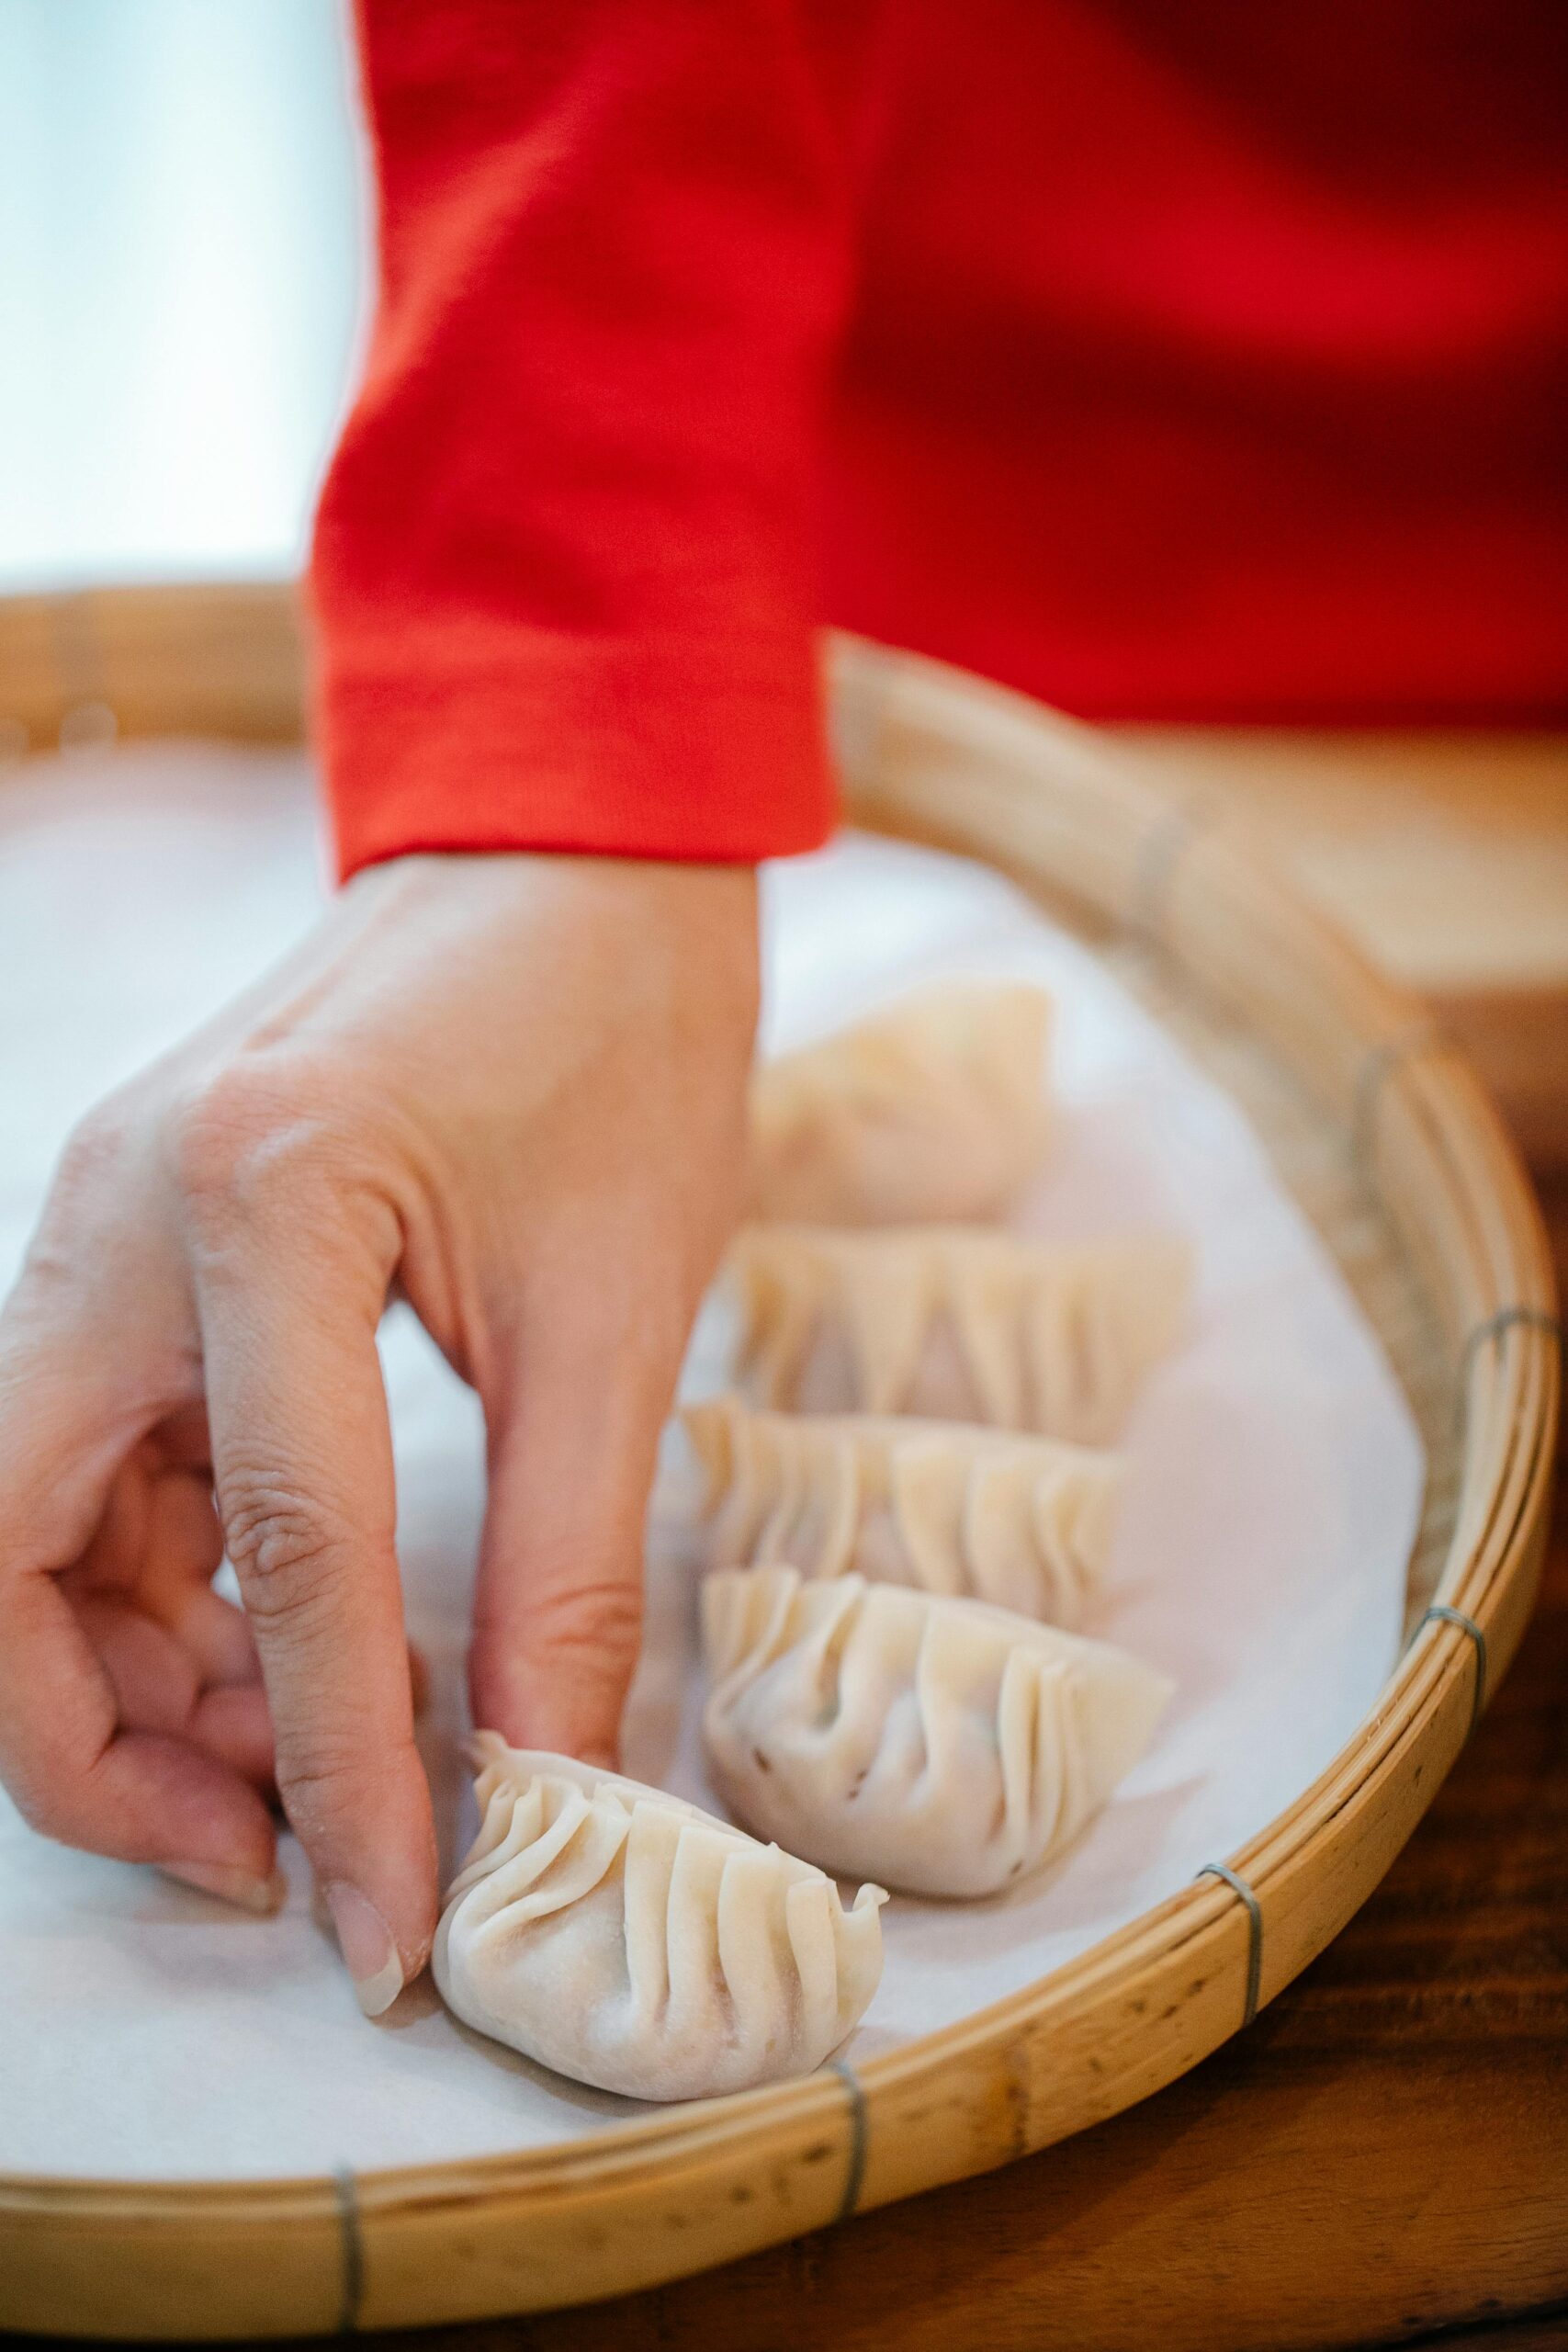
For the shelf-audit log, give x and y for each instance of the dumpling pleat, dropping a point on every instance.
(698, 2001)
(1072, 1517)
(1078, 1796)
(650, 1848)
(884, 1316)
(930, 1742)
(827, 1505)
(1020, 1521)
(571, 1855)
(1007, 1564)
(973, 1323)
(758, 1976)
(1106, 1370)
(509, 1825)
(743, 1494)
(1018, 1829)
(857, 1941)
(982, 1301)
(1045, 1344)
(639, 1944)
(825, 1646)
(927, 1486)
(808, 1921)
(783, 1304)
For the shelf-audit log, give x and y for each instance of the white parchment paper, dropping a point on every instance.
(1273, 1495)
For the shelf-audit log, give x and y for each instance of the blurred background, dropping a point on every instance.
(185, 248)
(184, 233)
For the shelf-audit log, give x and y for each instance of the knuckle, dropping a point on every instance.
(96, 1148)
(326, 1781)
(249, 1132)
(316, 1783)
(284, 1552)
(597, 1624)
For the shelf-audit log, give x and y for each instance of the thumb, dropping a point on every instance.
(573, 1418)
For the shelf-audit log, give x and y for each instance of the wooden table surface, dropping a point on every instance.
(1383, 2155)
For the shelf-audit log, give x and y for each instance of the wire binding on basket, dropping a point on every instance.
(1510, 1319)
(859, 2128)
(1444, 1613)
(1254, 1934)
(1378, 1065)
(1518, 1317)
(352, 2240)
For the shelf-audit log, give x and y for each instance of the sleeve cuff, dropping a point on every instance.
(605, 751)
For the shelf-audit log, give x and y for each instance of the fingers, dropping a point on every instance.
(170, 1647)
(158, 1686)
(234, 1724)
(75, 1772)
(214, 1635)
(185, 1546)
(574, 1416)
(80, 1776)
(288, 1295)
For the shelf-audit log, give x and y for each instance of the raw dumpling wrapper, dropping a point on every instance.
(632, 1942)
(945, 1746)
(954, 1324)
(936, 1109)
(1021, 1522)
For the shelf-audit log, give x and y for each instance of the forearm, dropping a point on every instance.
(565, 567)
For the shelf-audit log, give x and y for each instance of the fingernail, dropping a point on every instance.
(261, 1895)
(365, 1941)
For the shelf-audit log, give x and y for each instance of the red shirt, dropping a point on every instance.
(1167, 358)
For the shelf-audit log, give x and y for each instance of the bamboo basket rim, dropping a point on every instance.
(1427, 1109)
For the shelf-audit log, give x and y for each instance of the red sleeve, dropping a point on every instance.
(565, 573)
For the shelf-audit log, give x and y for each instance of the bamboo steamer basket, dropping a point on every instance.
(1379, 1129)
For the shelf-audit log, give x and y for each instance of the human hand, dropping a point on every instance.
(513, 1089)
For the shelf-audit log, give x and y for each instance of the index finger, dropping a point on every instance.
(302, 1465)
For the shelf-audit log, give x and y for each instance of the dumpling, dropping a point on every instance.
(954, 1323)
(631, 1940)
(944, 1745)
(935, 1109)
(1021, 1522)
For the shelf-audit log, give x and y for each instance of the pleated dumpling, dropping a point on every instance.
(945, 1746)
(1021, 1522)
(954, 1323)
(936, 1109)
(632, 1942)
